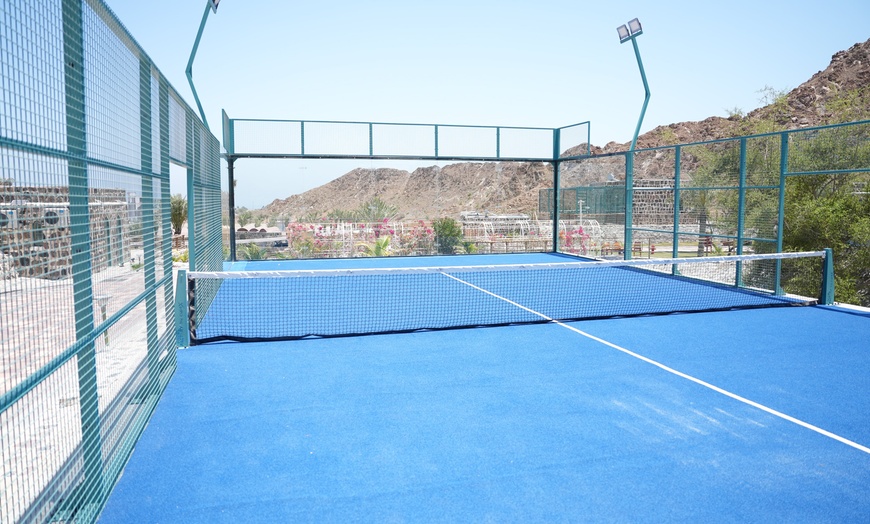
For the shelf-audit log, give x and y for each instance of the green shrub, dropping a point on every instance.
(448, 235)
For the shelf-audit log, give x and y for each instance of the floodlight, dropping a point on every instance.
(623, 33)
(214, 5)
(631, 31)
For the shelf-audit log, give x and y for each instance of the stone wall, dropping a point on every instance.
(7, 267)
(654, 206)
(36, 236)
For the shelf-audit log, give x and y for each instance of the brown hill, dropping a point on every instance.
(427, 192)
(839, 93)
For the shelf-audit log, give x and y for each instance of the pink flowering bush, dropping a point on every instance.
(308, 241)
(574, 240)
(419, 239)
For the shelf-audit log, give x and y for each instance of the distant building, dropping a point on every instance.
(35, 229)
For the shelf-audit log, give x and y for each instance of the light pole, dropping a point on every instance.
(213, 5)
(627, 32)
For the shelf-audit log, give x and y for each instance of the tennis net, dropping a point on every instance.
(294, 304)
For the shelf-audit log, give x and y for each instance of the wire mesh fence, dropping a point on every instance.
(88, 127)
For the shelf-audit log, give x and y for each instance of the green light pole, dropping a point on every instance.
(213, 5)
(627, 32)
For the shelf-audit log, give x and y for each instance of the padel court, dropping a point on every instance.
(744, 415)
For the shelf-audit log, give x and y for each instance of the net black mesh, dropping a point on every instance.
(284, 305)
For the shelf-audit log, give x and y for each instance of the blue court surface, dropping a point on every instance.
(752, 415)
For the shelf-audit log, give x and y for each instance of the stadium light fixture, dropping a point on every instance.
(210, 5)
(629, 30)
(623, 33)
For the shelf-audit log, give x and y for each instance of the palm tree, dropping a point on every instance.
(251, 251)
(178, 212)
(375, 210)
(380, 248)
(244, 216)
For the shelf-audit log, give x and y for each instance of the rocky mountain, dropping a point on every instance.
(839, 93)
(427, 192)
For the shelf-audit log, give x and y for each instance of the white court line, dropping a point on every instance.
(680, 374)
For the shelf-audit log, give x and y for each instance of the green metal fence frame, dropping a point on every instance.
(557, 158)
(784, 137)
(78, 492)
(232, 155)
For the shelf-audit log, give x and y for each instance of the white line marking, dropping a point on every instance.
(680, 374)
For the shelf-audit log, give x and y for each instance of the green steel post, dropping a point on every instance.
(189, 70)
(675, 251)
(227, 128)
(302, 137)
(556, 168)
(92, 487)
(498, 142)
(191, 154)
(629, 204)
(231, 201)
(232, 136)
(436, 141)
(182, 326)
(780, 224)
(588, 139)
(163, 97)
(149, 228)
(629, 163)
(645, 89)
(741, 211)
(827, 297)
(371, 140)
(166, 213)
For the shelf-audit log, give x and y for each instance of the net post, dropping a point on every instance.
(827, 296)
(182, 330)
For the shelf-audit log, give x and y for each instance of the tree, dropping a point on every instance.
(379, 248)
(251, 251)
(375, 210)
(831, 211)
(713, 164)
(821, 210)
(178, 212)
(244, 216)
(448, 235)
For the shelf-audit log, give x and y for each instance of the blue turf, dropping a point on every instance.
(516, 424)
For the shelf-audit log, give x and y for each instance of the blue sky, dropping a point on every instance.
(542, 63)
